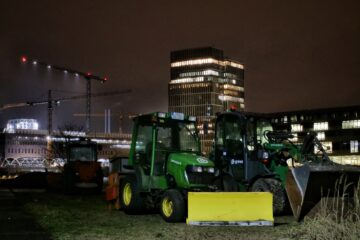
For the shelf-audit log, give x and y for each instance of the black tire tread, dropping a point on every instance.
(179, 206)
(274, 186)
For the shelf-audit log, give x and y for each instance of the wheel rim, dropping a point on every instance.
(127, 194)
(167, 207)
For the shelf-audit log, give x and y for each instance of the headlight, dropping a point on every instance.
(265, 155)
(196, 169)
(210, 170)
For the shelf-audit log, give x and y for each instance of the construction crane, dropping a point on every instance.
(55, 101)
(88, 76)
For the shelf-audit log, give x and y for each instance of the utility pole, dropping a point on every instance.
(88, 104)
(50, 110)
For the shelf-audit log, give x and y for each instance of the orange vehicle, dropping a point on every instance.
(81, 169)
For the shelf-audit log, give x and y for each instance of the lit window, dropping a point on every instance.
(284, 119)
(354, 146)
(295, 138)
(351, 124)
(294, 118)
(321, 126)
(321, 135)
(296, 127)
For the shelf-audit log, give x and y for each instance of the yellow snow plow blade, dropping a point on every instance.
(230, 208)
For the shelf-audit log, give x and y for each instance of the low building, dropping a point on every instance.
(28, 145)
(338, 129)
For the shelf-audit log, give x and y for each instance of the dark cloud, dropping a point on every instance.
(297, 54)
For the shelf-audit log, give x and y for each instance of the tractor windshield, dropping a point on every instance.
(188, 138)
(82, 153)
(263, 126)
(178, 136)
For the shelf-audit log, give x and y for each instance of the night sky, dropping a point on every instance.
(297, 54)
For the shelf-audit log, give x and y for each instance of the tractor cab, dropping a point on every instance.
(166, 160)
(83, 151)
(81, 169)
(238, 144)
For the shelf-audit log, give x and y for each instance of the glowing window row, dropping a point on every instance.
(230, 98)
(232, 87)
(187, 80)
(200, 73)
(321, 126)
(206, 61)
(231, 93)
(351, 124)
(195, 79)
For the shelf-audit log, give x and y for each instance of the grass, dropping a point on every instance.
(338, 218)
(88, 217)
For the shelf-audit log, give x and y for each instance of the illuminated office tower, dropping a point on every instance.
(204, 82)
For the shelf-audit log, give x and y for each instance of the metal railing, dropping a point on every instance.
(28, 163)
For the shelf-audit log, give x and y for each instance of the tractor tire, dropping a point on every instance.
(274, 186)
(130, 198)
(172, 206)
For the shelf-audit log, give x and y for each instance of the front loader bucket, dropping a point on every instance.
(230, 208)
(306, 185)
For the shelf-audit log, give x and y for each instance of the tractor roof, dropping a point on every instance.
(164, 116)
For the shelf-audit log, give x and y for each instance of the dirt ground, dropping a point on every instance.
(88, 216)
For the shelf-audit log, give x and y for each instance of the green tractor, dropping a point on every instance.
(250, 156)
(166, 164)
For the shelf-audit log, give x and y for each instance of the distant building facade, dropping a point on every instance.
(202, 83)
(30, 143)
(338, 129)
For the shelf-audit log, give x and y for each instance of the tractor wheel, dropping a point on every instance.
(172, 206)
(274, 186)
(130, 198)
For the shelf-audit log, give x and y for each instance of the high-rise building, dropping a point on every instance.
(204, 82)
